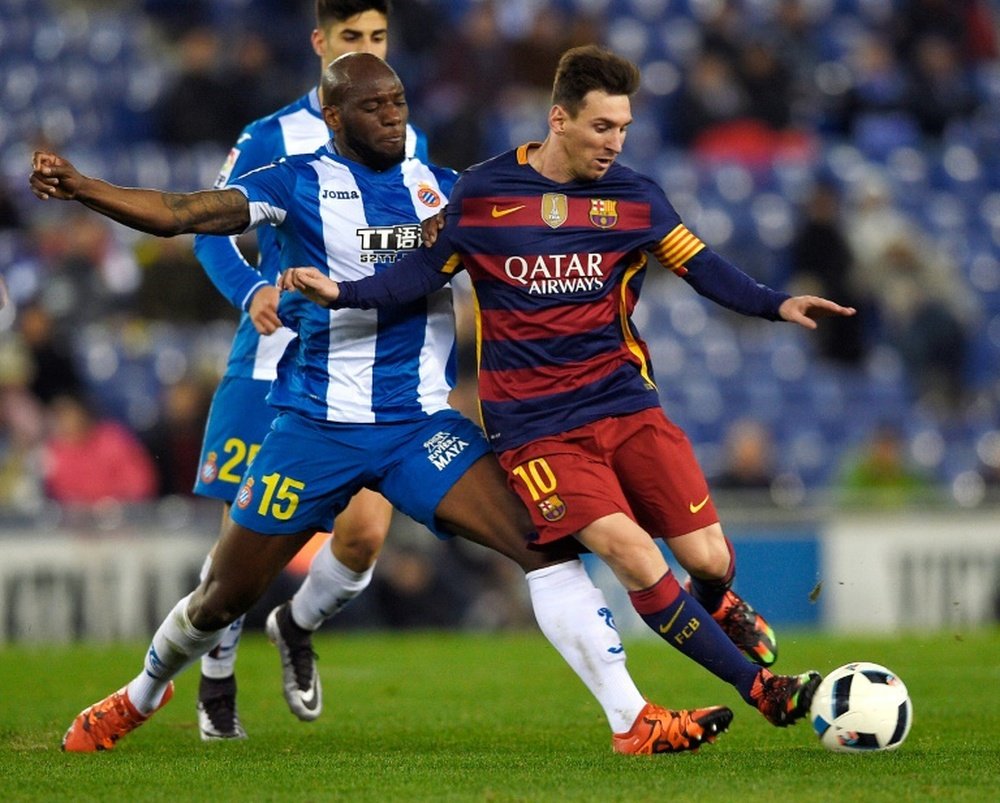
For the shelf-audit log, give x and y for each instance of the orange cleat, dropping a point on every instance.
(659, 730)
(100, 726)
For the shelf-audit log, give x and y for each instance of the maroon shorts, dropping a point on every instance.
(641, 465)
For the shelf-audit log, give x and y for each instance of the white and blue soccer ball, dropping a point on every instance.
(861, 707)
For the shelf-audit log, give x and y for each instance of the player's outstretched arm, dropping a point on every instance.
(312, 283)
(162, 213)
(805, 310)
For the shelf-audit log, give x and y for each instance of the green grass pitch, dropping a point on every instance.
(455, 717)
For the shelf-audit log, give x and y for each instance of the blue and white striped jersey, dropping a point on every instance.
(356, 366)
(295, 129)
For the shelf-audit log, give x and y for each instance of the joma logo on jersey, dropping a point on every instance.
(339, 195)
(390, 238)
(556, 273)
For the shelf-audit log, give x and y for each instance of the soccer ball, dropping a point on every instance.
(861, 707)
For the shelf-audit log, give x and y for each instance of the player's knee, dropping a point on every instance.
(710, 561)
(217, 606)
(358, 546)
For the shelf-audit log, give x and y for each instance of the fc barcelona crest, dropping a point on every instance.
(603, 213)
(555, 209)
(553, 508)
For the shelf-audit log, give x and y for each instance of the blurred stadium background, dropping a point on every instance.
(850, 147)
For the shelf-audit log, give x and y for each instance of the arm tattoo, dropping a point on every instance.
(209, 211)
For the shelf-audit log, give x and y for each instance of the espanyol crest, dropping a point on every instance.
(245, 496)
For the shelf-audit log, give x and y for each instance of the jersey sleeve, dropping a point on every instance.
(681, 251)
(268, 191)
(220, 257)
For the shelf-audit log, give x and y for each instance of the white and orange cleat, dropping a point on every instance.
(100, 726)
(660, 730)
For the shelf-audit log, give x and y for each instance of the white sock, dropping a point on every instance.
(221, 661)
(175, 644)
(574, 616)
(328, 587)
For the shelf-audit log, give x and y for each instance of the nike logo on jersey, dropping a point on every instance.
(695, 508)
(666, 628)
(495, 212)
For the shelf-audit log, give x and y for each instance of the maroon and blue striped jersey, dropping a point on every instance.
(556, 271)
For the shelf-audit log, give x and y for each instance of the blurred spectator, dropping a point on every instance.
(534, 56)
(88, 460)
(88, 270)
(175, 440)
(257, 84)
(823, 264)
(54, 370)
(711, 95)
(880, 475)
(749, 457)
(10, 217)
(969, 25)
(198, 106)
(876, 111)
(174, 285)
(768, 84)
(21, 431)
(927, 308)
(412, 591)
(464, 87)
(944, 91)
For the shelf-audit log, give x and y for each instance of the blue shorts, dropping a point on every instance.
(238, 422)
(307, 471)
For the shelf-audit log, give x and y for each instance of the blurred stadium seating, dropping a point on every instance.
(86, 78)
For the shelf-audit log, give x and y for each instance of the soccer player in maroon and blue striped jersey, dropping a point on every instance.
(555, 237)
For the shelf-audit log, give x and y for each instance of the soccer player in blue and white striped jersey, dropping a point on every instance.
(353, 207)
(240, 416)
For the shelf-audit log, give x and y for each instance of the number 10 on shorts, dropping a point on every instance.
(537, 477)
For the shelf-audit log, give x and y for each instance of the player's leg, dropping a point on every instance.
(574, 616)
(680, 620)
(463, 491)
(237, 424)
(710, 560)
(218, 717)
(244, 564)
(340, 571)
(664, 485)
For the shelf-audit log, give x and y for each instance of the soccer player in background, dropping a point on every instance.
(554, 237)
(240, 417)
(355, 203)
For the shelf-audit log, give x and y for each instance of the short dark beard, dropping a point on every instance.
(359, 151)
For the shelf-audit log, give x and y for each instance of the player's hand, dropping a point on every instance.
(53, 177)
(805, 310)
(430, 228)
(312, 283)
(264, 310)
